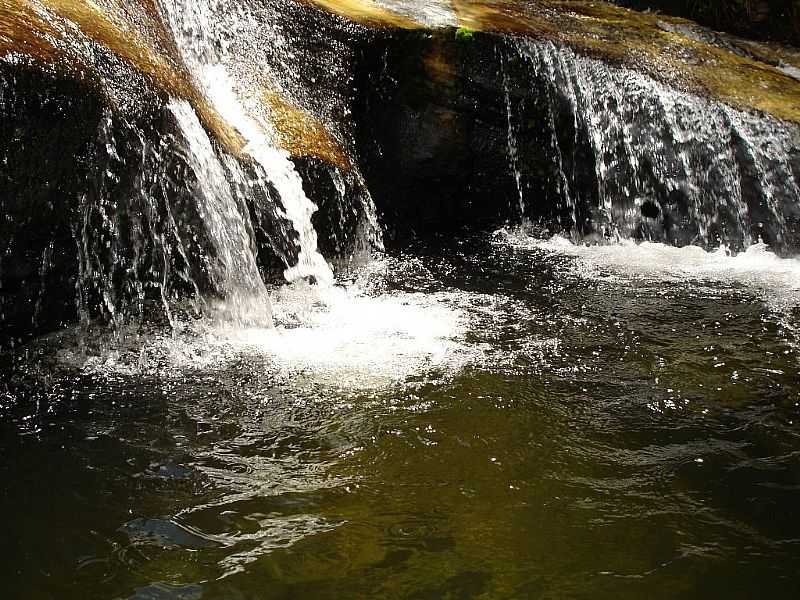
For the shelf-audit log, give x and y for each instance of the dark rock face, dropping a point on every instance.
(344, 226)
(432, 126)
(455, 133)
(47, 124)
(88, 204)
(773, 20)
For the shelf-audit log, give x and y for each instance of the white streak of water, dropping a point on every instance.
(280, 170)
(202, 45)
(513, 152)
(233, 266)
(654, 144)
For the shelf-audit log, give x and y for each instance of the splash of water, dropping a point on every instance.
(339, 337)
(774, 279)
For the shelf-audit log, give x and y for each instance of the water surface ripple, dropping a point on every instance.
(501, 417)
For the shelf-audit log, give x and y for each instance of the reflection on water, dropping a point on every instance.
(501, 418)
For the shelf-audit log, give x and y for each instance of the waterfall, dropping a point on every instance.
(233, 270)
(666, 163)
(154, 167)
(513, 152)
(202, 45)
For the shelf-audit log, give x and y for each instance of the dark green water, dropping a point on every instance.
(598, 431)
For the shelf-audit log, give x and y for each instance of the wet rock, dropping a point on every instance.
(561, 113)
(345, 215)
(433, 132)
(639, 41)
(47, 126)
(777, 20)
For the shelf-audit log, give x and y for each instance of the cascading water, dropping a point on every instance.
(160, 214)
(234, 270)
(202, 48)
(513, 152)
(167, 208)
(667, 164)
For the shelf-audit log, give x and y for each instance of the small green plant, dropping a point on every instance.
(464, 34)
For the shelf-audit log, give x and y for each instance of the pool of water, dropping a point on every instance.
(486, 417)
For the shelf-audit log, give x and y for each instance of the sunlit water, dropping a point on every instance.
(490, 417)
(436, 13)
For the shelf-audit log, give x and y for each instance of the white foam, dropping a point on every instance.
(775, 279)
(345, 337)
(333, 336)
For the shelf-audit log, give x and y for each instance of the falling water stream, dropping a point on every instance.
(513, 152)
(682, 157)
(195, 31)
(235, 271)
(501, 414)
